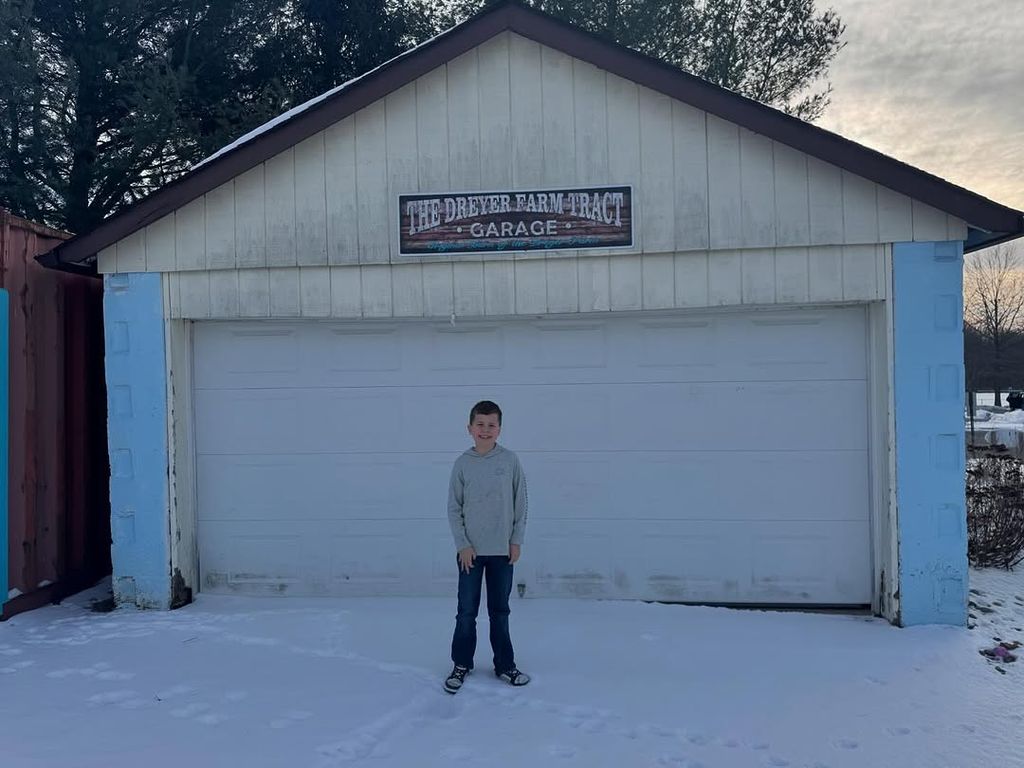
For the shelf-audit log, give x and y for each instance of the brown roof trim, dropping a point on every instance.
(979, 212)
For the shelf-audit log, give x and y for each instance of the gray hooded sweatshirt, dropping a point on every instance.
(487, 501)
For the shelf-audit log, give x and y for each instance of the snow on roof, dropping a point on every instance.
(295, 111)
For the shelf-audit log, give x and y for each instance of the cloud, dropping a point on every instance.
(938, 84)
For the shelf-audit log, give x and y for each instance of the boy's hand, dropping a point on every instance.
(466, 558)
(513, 552)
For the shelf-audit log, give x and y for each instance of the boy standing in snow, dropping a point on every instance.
(487, 513)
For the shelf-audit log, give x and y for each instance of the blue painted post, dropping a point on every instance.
(5, 329)
(137, 438)
(928, 372)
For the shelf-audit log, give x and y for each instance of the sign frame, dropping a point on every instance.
(455, 250)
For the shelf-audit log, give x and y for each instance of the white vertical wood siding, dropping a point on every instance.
(690, 280)
(515, 114)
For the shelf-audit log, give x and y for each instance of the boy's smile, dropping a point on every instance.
(484, 429)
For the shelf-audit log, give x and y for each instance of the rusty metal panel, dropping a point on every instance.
(58, 508)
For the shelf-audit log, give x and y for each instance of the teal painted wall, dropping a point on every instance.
(137, 438)
(928, 373)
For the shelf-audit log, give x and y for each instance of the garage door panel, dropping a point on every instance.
(576, 485)
(746, 485)
(699, 561)
(684, 417)
(755, 562)
(676, 561)
(742, 485)
(269, 484)
(351, 558)
(371, 420)
(572, 559)
(463, 347)
(804, 559)
(714, 457)
(252, 558)
(804, 345)
(569, 346)
(689, 417)
(443, 577)
(292, 488)
(368, 556)
(257, 355)
(725, 416)
(722, 348)
(677, 345)
(228, 421)
(354, 349)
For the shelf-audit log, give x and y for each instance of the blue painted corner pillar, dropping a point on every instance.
(137, 437)
(928, 374)
(5, 371)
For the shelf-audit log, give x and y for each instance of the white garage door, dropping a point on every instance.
(718, 458)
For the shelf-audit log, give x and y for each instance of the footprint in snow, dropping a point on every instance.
(58, 674)
(456, 753)
(659, 730)
(899, 731)
(358, 746)
(290, 718)
(114, 675)
(112, 697)
(212, 718)
(174, 692)
(847, 744)
(778, 762)
(190, 710)
(585, 719)
(562, 751)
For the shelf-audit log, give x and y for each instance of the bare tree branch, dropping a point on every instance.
(994, 301)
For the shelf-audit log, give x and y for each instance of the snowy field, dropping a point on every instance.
(249, 682)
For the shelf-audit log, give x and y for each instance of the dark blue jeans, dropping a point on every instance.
(497, 571)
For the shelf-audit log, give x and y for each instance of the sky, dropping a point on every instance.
(938, 84)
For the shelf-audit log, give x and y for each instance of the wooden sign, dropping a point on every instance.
(474, 222)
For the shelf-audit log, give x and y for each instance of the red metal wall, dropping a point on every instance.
(59, 505)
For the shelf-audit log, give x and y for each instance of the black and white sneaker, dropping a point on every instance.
(456, 679)
(513, 677)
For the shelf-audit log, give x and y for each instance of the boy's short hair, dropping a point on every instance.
(485, 408)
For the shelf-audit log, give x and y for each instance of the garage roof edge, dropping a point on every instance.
(990, 221)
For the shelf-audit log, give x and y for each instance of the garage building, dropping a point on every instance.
(728, 344)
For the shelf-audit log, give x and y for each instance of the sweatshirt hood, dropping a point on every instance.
(495, 451)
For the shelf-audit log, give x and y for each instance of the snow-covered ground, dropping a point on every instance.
(251, 682)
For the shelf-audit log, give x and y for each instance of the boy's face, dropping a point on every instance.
(484, 429)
